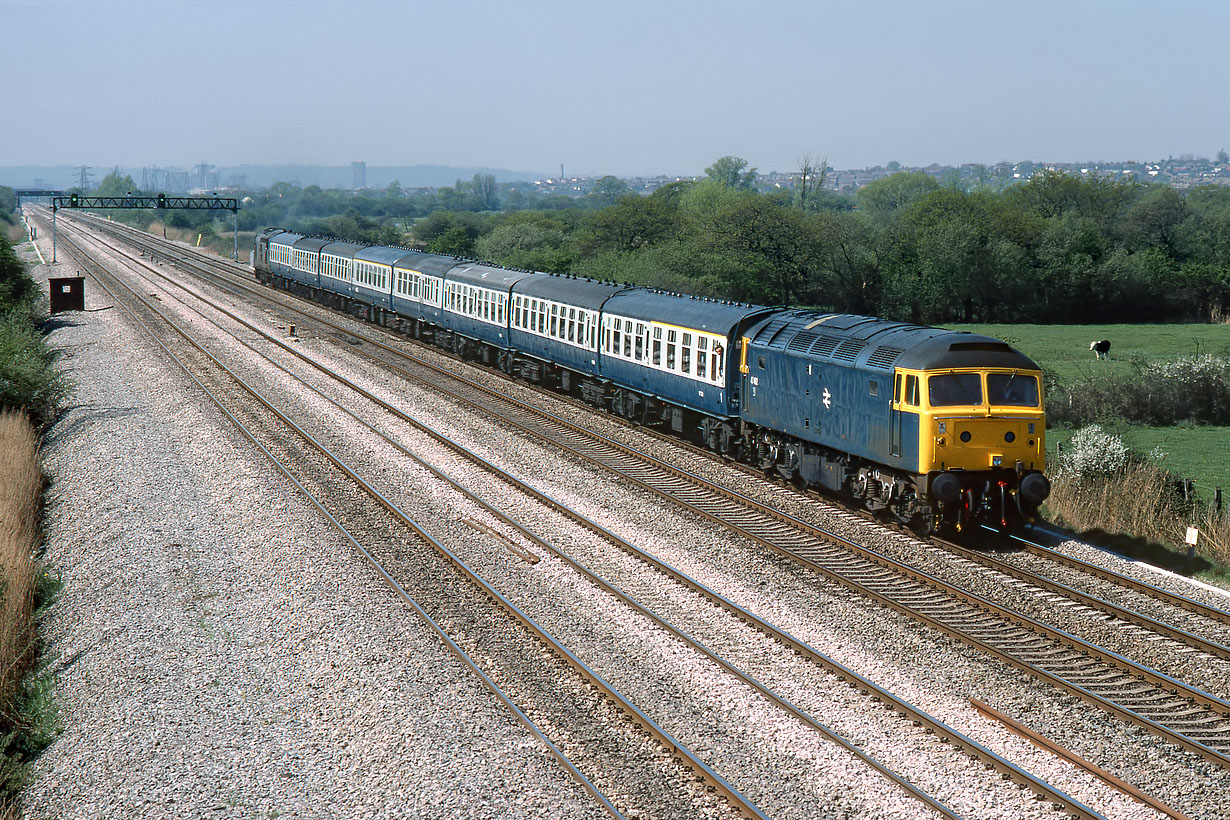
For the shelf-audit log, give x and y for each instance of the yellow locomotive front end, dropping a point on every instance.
(981, 441)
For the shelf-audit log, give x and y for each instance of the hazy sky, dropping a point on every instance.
(626, 87)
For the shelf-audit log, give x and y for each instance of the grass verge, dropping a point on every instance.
(28, 720)
(1135, 511)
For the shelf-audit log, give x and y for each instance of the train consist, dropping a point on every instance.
(940, 428)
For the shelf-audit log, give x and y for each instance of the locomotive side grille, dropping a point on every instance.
(825, 345)
(802, 340)
(884, 357)
(848, 350)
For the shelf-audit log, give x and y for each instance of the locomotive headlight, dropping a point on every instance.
(942, 427)
(1009, 436)
(997, 461)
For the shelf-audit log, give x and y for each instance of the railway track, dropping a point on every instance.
(551, 699)
(1180, 712)
(910, 715)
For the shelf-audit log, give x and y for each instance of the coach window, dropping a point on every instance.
(639, 351)
(672, 337)
(687, 354)
(657, 346)
(702, 355)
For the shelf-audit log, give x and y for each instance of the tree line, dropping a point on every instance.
(1057, 248)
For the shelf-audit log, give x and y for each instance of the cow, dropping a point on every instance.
(1100, 349)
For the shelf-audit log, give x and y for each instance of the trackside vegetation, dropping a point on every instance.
(1054, 252)
(1057, 248)
(30, 394)
(28, 720)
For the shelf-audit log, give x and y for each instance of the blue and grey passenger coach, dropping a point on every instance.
(937, 427)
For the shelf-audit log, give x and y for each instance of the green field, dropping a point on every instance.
(1199, 453)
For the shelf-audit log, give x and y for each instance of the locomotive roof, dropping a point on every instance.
(883, 344)
(687, 311)
(587, 293)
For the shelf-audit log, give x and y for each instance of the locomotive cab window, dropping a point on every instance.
(954, 389)
(911, 391)
(1012, 390)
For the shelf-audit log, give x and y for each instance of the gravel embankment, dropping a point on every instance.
(874, 643)
(877, 645)
(219, 651)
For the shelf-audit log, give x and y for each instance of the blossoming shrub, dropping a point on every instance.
(1192, 389)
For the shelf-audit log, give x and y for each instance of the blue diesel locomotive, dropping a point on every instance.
(935, 426)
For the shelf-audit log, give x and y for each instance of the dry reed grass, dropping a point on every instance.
(20, 494)
(1138, 500)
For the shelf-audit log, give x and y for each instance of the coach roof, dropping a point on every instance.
(685, 311)
(429, 263)
(345, 250)
(568, 290)
(311, 243)
(383, 255)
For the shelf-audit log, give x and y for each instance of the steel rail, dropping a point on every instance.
(782, 703)
(1214, 613)
(887, 699)
(453, 647)
(1181, 601)
(1054, 748)
(1094, 602)
(1164, 682)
